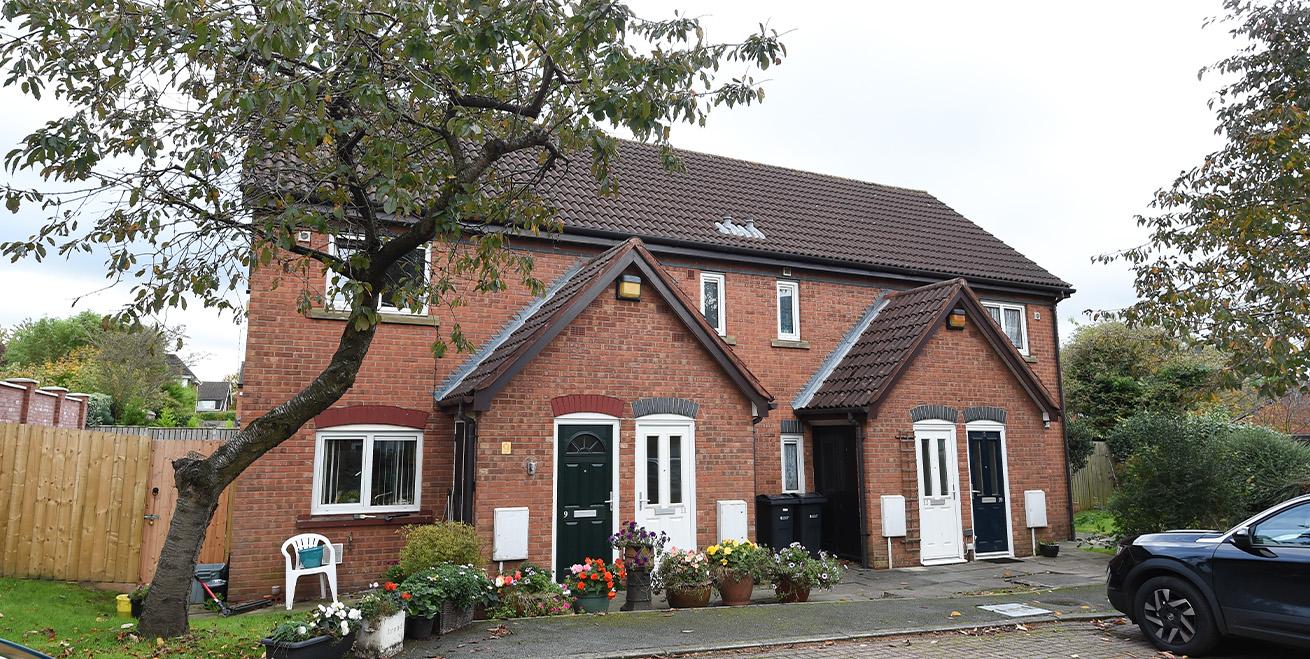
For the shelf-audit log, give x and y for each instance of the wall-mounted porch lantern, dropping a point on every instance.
(956, 320)
(629, 288)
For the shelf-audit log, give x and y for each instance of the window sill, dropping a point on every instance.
(1031, 359)
(338, 521)
(798, 345)
(396, 318)
(728, 339)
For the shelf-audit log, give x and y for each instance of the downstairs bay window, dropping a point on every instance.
(364, 469)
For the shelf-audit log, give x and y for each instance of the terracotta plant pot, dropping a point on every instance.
(593, 604)
(789, 592)
(736, 591)
(319, 647)
(419, 629)
(690, 599)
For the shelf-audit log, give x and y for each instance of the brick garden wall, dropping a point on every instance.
(23, 401)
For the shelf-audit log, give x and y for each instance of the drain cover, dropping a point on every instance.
(1015, 610)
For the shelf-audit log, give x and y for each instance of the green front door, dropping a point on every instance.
(585, 489)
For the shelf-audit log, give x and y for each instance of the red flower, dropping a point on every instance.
(389, 586)
(612, 594)
(582, 585)
(405, 596)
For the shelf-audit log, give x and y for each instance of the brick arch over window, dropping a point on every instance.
(666, 405)
(385, 415)
(934, 412)
(593, 403)
(984, 414)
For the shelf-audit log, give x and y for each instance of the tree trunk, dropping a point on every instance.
(165, 610)
(200, 480)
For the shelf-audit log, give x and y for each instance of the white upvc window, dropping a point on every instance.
(712, 303)
(366, 468)
(1013, 321)
(793, 464)
(414, 266)
(789, 311)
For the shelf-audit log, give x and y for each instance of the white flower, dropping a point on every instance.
(302, 630)
(345, 628)
(355, 614)
(373, 585)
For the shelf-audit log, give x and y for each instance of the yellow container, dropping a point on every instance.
(124, 604)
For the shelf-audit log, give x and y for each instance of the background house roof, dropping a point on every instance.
(214, 391)
(892, 338)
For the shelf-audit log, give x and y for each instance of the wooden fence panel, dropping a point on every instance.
(161, 499)
(1094, 483)
(71, 508)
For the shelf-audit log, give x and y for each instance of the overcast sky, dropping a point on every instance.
(1048, 124)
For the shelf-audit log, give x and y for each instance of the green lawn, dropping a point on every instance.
(67, 620)
(1095, 521)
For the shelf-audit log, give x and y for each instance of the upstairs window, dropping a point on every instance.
(1011, 318)
(409, 274)
(789, 311)
(711, 301)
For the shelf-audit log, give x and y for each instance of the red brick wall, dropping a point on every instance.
(285, 350)
(959, 369)
(41, 408)
(657, 358)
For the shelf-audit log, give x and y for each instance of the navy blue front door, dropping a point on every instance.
(987, 479)
(583, 513)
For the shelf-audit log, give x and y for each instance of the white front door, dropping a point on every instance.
(665, 480)
(939, 495)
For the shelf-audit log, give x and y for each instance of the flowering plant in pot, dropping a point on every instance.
(592, 583)
(795, 572)
(383, 631)
(639, 548)
(444, 596)
(685, 576)
(326, 633)
(529, 592)
(736, 565)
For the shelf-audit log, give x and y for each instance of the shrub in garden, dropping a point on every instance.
(430, 545)
(793, 565)
(1201, 472)
(682, 570)
(463, 586)
(529, 592)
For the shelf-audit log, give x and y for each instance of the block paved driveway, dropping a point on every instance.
(1080, 639)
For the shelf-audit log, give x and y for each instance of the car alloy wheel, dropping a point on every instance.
(1171, 615)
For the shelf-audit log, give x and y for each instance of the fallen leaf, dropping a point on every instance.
(956, 614)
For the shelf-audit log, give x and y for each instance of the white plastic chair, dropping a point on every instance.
(327, 572)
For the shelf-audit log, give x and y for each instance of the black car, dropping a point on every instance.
(1186, 589)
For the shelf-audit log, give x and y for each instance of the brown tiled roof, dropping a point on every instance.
(504, 355)
(801, 214)
(892, 339)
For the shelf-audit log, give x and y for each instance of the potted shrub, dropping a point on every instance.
(685, 577)
(138, 599)
(592, 583)
(736, 564)
(639, 548)
(383, 631)
(443, 598)
(795, 572)
(1048, 549)
(327, 633)
(529, 592)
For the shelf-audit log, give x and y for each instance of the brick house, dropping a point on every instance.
(707, 336)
